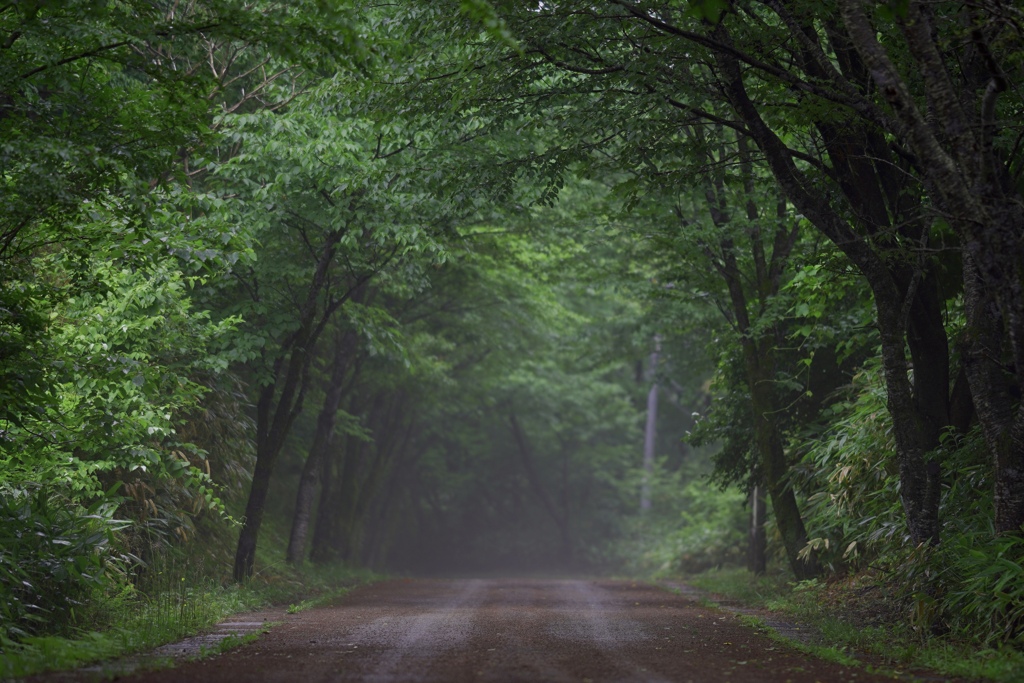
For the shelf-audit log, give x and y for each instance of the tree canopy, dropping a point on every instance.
(405, 284)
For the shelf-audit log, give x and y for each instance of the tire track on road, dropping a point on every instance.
(408, 643)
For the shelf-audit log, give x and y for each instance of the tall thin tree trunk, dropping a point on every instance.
(323, 437)
(768, 446)
(651, 427)
(245, 553)
(304, 499)
(559, 517)
(759, 363)
(281, 401)
(323, 550)
(271, 427)
(757, 555)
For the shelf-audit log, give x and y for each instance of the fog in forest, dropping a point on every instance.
(296, 295)
(532, 463)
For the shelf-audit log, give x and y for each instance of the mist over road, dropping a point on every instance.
(512, 630)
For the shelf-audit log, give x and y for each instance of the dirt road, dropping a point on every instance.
(512, 630)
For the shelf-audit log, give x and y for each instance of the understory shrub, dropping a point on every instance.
(979, 593)
(53, 555)
(699, 527)
(971, 586)
(853, 513)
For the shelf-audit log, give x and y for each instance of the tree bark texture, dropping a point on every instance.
(915, 438)
(969, 182)
(280, 402)
(323, 437)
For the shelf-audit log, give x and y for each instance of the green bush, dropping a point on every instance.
(697, 527)
(53, 556)
(853, 513)
(983, 580)
(970, 587)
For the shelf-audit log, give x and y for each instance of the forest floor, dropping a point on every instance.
(497, 630)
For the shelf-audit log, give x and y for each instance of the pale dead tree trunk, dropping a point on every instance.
(757, 555)
(651, 428)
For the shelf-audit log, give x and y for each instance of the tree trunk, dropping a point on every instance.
(969, 180)
(768, 445)
(390, 439)
(650, 428)
(759, 361)
(919, 477)
(560, 518)
(245, 554)
(332, 535)
(305, 496)
(323, 550)
(276, 412)
(991, 387)
(323, 437)
(270, 435)
(757, 555)
(347, 497)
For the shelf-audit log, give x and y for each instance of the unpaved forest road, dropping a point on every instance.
(512, 630)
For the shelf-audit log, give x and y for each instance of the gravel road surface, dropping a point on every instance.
(498, 630)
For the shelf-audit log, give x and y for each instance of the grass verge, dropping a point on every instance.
(829, 653)
(173, 609)
(854, 620)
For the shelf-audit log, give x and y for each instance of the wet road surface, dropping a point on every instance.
(498, 630)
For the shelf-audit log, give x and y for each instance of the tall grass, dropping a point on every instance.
(933, 605)
(844, 620)
(174, 597)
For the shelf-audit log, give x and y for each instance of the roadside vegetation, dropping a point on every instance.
(180, 593)
(289, 289)
(854, 620)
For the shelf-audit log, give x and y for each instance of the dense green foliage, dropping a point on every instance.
(402, 284)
